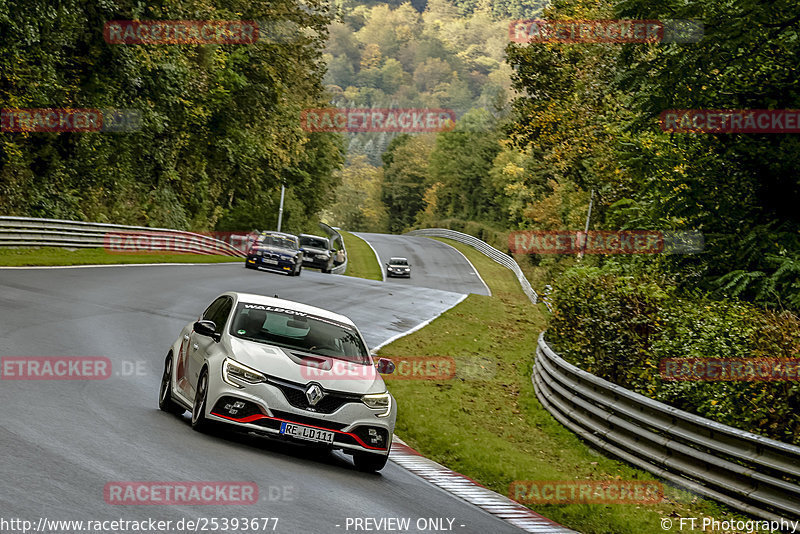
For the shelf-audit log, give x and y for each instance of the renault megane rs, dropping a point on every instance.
(283, 370)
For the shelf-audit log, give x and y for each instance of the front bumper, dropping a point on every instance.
(262, 408)
(316, 263)
(405, 274)
(263, 262)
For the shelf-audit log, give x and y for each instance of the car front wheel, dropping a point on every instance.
(199, 421)
(368, 462)
(165, 401)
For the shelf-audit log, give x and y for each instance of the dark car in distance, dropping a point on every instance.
(276, 251)
(317, 252)
(398, 267)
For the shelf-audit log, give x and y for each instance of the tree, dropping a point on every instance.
(219, 126)
(405, 178)
(358, 205)
(461, 161)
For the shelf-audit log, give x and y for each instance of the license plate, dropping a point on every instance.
(308, 260)
(271, 262)
(306, 432)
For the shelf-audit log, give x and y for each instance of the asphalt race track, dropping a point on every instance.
(433, 264)
(64, 440)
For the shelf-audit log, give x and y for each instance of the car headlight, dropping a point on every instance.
(379, 401)
(233, 370)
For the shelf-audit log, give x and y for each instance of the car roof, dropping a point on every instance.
(314, 236)
(289, 305)
(397, 259)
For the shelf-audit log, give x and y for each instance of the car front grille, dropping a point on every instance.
(296, 396)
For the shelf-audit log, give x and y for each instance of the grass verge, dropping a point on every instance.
(361, 261)
(44, 256)
(489, 424)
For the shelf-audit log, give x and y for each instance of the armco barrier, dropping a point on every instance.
(750, 473)
(485, 248)
(336, 236)
(27, 232)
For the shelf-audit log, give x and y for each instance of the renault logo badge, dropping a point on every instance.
(314, 394)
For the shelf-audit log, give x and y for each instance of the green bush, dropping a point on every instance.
(619, 325)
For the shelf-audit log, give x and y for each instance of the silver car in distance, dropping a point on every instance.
(284, 370)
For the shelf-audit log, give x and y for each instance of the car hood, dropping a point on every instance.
(398, 266)
(330, 373)
(276, 250)
(314, 250)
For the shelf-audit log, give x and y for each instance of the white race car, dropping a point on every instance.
(283, 370)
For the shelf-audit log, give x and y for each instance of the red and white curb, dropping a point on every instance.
(472, 492)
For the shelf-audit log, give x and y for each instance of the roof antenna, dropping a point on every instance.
(276, 296)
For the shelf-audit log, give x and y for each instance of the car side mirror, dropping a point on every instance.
(208, 329)
(385, 366)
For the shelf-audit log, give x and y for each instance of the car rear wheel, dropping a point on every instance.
(368, 462)
(199, 421)
(165, 401)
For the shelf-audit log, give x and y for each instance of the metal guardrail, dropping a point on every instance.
(748, 472)
(485, 248)
(26, 232)
(336, 236)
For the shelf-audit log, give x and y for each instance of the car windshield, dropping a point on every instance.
(313, 242)
(276, 241)
(399, 261)
(298, 331)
